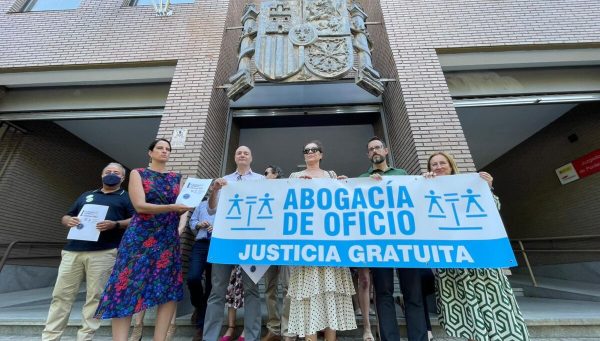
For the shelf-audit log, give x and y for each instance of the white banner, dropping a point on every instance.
(401, 221)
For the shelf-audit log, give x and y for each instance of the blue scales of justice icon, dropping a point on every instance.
(473, 209)
(251, 207)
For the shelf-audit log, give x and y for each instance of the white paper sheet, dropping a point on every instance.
(89, 216)
(193, 191)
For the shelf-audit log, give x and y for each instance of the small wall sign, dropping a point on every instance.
(579, 168)
(178, 138)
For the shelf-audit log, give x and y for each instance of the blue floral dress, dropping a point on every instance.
(147, 271)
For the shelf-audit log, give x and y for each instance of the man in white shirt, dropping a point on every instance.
(221, 272)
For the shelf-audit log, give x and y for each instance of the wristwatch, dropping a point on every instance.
(117, 225)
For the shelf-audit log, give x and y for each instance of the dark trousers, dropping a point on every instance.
(198, 266)
(410, 284)
(428, 288)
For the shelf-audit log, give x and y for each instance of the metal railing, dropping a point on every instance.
(11, 246)
(524, 251)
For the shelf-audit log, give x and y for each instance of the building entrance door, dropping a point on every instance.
(277, 136)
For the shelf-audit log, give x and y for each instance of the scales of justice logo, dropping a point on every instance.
(304, 40)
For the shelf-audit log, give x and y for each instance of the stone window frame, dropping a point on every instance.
(134, 3)
(24, 6)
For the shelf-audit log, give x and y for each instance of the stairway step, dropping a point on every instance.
(557, 288)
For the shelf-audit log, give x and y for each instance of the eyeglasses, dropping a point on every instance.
(311, 150)
(374, 148)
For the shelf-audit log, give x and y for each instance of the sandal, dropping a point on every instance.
(368, 336)
(228, 337)
(171, 332)
(136, 333)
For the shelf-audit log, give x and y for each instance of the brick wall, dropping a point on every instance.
(105, 33)
(48, 171)
(418, 30)
(421, 117)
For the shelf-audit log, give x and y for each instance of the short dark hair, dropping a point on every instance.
(375, 138)
(153, 144)
(276, 170)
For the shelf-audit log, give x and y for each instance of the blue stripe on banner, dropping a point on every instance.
(496, 253)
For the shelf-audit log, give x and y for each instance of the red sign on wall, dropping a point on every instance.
(587, 164)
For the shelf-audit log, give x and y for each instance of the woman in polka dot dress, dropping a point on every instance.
(321, 297)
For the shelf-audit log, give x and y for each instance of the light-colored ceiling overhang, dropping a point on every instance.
(115, 109)
(125, 140)
(89, 76)
(504, 97)
(467, 60)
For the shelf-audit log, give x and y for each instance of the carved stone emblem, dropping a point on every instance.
(329, 57)
(303, 34)
(304, 40)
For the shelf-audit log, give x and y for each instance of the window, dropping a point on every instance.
(50, 5)
(157, 2)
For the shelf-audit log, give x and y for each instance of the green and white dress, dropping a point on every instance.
(479, 304)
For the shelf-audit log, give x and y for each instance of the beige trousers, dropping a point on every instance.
(92, 266)
(277, 323)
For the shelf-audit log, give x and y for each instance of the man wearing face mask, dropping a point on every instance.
(89, 260)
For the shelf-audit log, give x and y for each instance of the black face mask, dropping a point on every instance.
(111, 179)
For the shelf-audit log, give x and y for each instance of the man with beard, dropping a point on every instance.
(383, 278)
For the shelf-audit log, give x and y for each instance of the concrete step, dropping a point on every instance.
(30, 297)
(519, 292)
(556, 288)
(23, 314)
(340, 338)
(547, 319)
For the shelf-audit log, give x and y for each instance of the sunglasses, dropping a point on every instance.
(311, 150)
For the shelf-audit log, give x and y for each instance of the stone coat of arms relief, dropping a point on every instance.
(303, 40)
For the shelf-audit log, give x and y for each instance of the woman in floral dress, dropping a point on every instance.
(147, 271)
(320, 297)
(475, 304)
(234, 300)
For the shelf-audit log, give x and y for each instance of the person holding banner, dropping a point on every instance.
(383, 278)
(89, 260)
(477, 304)
(201, 225)
(320, 297)
(277, 322)
(222, 272)
(147, 271)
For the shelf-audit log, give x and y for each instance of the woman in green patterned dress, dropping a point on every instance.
(477, 304)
